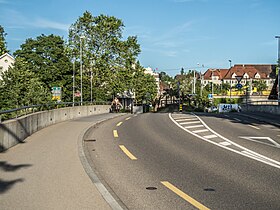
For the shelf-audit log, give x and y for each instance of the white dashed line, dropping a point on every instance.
(186, 119)
(186, 123)
(210, 136)
(252, 126)
(201, 131)
(225, 143)
(194, 126)
(237, 119)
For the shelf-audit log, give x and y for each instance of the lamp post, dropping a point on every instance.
(230, 82)
(278, 37)
(74, 60)
(81, 67)
(91, 77)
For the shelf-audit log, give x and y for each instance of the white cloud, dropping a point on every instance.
(19, 21)
(43, 23)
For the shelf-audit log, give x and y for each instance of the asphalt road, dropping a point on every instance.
(182, 161)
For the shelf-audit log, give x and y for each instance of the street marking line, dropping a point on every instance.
(225, 143)
(237, 119)
(192, 122)
(254, 127)
(268, 161)
(210, 136)
(127, 118)
(186, 119)
(184, 195)
(115, 132)
(194, 126)
(119, 124)
(129, 154)
(201, 131)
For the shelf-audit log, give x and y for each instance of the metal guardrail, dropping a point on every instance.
(25, 110)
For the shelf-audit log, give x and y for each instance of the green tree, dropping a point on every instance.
(20, 86)
(45, 57)
(260, 85)
(3, 47)
(110, 58)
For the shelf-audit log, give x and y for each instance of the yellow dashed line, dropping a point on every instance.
(127, 118)
(131, 156)
(119, 124)
(115, 132)
(184, 196)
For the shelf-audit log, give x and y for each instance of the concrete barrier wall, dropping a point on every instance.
(17, 130)
(262, 108)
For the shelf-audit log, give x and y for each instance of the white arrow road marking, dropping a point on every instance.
(258, 140)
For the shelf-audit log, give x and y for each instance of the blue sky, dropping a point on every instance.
(172, 33)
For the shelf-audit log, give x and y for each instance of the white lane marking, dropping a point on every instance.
(264, 159)
(225, 143)
(186, 119)
(186, 123)
(237, 119)
(201, 131)
(258, 140)
(194, 126)
(210, 136)
(178, 118)
(252, 126)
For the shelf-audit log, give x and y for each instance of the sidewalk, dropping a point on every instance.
(46, 172)
(270, 118)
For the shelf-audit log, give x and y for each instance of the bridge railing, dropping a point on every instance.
(25, 110)
(262, 102)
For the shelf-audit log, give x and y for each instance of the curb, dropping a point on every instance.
(261, 120)
(92, 174)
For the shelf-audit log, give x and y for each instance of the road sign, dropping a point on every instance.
(56, 93)
(238, 78)
(210, 96)
(239, 86)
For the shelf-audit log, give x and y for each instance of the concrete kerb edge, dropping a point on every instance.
(90, 172)
(261, 120)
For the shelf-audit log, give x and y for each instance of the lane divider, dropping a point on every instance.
(184, 196)
(129, 154)
(119, 124)
(115, 133)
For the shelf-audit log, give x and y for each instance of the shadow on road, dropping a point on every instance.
(4, 166)
(7, 185)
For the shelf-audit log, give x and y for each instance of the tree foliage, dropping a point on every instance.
(3, 47)
(45, 57)
(97, 43)
(21, 87)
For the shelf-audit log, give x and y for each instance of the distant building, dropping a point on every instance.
(249, 72)
(6, 61)
(150, 71)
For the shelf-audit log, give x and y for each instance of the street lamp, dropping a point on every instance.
(81, 67)
(91, 77)
(278, 37)
(74, 60)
